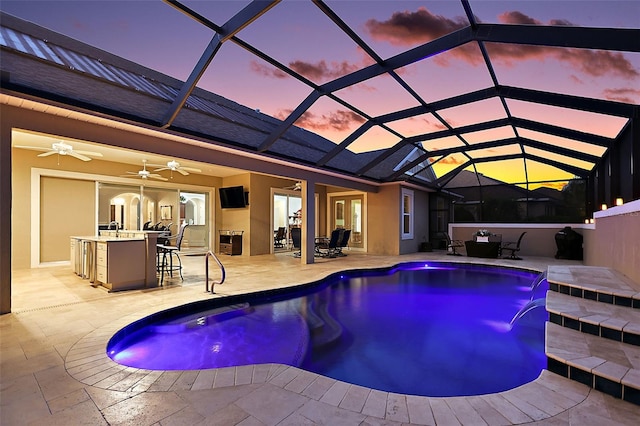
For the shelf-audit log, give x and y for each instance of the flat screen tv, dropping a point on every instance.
(232, 197)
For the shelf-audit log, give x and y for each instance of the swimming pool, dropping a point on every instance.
(437, 329)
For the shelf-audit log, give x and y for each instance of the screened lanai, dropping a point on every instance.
(530, 101)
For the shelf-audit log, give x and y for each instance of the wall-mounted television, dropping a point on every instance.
(233, 197)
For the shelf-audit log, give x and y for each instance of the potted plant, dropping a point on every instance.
(425, 246)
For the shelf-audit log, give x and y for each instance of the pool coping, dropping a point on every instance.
(87, 361)
(546, 396)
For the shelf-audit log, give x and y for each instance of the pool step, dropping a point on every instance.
(593, 333)
(323, 327)
(605, 365)
(613, 322)
(201, 319)
(595, 283)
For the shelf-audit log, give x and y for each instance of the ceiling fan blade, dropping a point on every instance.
(33, 148)
(46, 154)
(155, 176)
(79, 156)
(182, 171)
(160, 169)
(86, 153)
(157, 165)
(191, 169)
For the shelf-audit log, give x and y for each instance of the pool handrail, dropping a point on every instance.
(206, 271)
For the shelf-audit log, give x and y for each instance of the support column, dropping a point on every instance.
(590, 195)
(601, 184)
(615, 170)
(5, 218)
(307, 249)
(635, 156)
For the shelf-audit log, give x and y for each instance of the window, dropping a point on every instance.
(407, 214)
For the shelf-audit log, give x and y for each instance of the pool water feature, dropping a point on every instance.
(434, 330)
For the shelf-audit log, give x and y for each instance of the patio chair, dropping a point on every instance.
(513, 248)
(280, 236)
(343, 242)
(327, 248)
(296, 239)
(453, 245)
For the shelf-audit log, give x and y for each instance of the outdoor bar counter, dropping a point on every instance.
(118, 261)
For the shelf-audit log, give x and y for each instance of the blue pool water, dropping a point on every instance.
(432, 330)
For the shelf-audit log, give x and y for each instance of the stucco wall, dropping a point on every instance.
(21, 209)
(67, 208)
(420, 223)
(384, 221)
(615, 240)
(236, 219)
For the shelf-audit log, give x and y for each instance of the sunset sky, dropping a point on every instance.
(297, 34)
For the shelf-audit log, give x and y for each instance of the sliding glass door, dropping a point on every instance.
(287, 214)
(347, 212)
(133, 208)
(119, 207)
(194, 211)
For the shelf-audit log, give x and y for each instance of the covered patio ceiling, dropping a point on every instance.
(527, 93)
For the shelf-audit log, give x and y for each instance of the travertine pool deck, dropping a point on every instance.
(54, 369)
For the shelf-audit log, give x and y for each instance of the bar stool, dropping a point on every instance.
(168, 250)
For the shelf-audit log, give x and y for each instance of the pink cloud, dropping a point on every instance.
(321, 70)
(560, 23)
(469, 52)
(519, 18)
(318, 71)
(598, 63)
(449, 160)
(576, 79)
(408, 28)
(265, 70)
(453, 123)
(339, 120)
(405, 28)
(428, 124)
(626, 95)
(515, 17)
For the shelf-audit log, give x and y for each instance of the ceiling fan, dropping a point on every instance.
(144, 173)
(62, 148)
(295, 187)
(174, 166)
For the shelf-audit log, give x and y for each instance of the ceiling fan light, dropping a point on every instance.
(62, 148)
